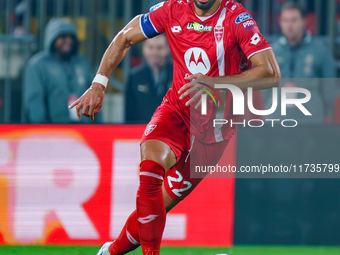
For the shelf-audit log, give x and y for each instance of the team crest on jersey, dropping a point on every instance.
(149, 129)
(219, 32)
(198, 27)
(243, 17)
(155, 7)
(197, 61)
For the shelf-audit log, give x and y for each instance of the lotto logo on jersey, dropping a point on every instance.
(176, 29)
(198, 27)
(249, 24)
(255, 39)
(197, 61)
(243, 17)
(155, 7)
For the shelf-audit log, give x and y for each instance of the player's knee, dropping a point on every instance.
(159, 152)
(151, 177)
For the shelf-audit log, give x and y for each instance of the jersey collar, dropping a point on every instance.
(204, 18)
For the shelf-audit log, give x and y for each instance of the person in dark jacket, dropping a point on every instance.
(149, 82)
(306, 62)
(56, 77)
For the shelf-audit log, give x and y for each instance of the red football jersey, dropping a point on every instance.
(216, 45)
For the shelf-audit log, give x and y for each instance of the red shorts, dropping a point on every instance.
(167, 126)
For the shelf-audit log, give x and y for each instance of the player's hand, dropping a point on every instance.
(91, 101)
(197, 86)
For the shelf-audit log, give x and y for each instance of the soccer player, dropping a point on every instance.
(209, 39)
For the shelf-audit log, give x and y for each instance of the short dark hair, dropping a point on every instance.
(294, 6)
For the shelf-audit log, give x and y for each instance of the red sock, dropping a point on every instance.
(128, 239)
(150, 207)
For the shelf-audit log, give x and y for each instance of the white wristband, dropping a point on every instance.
(101, 79)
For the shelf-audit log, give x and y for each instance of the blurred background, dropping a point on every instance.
(22, 34)
(49, 53)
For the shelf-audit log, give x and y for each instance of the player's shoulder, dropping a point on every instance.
(171, 5)
(237, 12)
(179, 3)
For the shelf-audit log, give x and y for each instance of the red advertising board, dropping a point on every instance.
(77, 185)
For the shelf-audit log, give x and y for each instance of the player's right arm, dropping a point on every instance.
(92, 100)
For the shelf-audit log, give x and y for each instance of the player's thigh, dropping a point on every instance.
(158, 151)
(180, 181)
(166, 137)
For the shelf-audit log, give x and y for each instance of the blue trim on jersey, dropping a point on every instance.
(250, 27)
(147, 27)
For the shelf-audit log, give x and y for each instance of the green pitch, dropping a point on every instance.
(238, 250)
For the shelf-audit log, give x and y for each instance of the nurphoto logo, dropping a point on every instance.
(239, 102)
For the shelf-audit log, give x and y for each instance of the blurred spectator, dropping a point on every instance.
(148, 83)
(20, 10)
(300, 55)
(57, 76)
